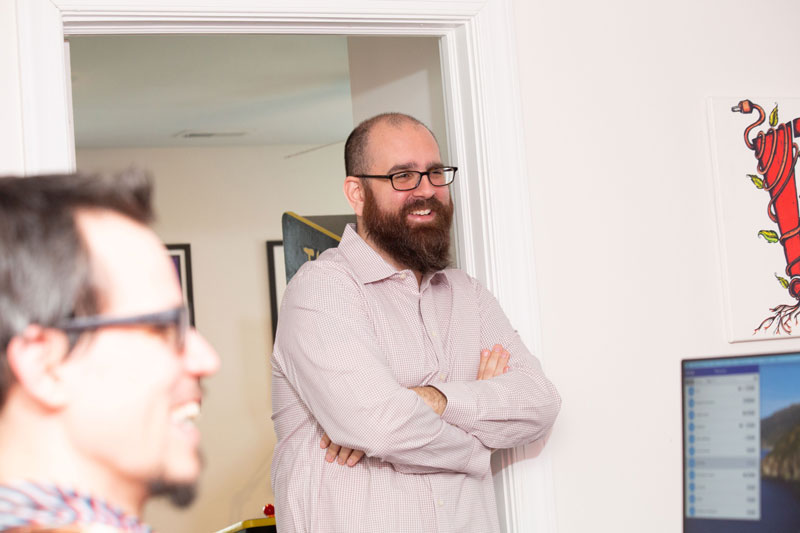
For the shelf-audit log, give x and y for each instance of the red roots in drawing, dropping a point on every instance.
(781, 319)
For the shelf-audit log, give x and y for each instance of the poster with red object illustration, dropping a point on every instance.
(755, 151)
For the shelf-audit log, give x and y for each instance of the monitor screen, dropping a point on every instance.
(741, 444)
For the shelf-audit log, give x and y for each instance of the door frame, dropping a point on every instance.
(494, 229)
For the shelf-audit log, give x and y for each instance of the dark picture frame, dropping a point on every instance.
(181, 255)
(276, 272)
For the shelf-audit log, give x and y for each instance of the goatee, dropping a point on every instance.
(421, 247)
(181, 495)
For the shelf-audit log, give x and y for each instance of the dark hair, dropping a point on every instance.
(355, 148)
(45, 269)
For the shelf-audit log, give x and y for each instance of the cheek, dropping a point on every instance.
(443, 195)
(119, 410)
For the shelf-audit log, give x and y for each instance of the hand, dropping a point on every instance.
(345, 455)
(493, 363)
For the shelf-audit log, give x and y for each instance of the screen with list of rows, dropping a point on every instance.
(722, 443)
(741, 444)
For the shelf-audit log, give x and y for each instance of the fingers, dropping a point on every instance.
(325, 442)
(484, 360)
(355, 457)
(339, 454)
(496, 363)
(333, 451)
(344, 455)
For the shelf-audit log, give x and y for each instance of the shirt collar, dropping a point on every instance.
(368, 264)
(41, 504)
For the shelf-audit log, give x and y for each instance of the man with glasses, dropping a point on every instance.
(99, 370)
(394, 376)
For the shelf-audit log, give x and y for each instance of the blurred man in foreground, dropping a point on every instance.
(99, 370)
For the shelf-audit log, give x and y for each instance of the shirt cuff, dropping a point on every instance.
(462, 409)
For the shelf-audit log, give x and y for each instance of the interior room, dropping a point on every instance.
(587, 130)
(236, 130)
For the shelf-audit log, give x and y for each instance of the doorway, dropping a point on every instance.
(237, 129)
(485, 135)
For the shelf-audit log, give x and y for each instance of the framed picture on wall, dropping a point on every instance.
(181, 256)
(276, 270)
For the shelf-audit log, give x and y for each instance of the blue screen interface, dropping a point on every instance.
(741, 444)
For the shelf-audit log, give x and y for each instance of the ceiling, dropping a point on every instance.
(209, 90)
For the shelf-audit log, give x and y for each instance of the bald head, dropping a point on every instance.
(356, 149)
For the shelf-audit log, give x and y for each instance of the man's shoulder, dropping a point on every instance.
(459, 279)
(330, 269)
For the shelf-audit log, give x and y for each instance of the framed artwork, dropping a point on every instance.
(276, 270)
(181, 256)
(755, 151)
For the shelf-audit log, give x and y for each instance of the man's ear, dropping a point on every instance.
(35, 358)
(354, 192)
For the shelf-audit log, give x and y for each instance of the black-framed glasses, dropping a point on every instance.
(408, 180)
(176, 319)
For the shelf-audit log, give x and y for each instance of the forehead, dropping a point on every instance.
(130, 264)
(405, 143)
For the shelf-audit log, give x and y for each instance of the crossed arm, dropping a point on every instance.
(492, 363)
(329, 353)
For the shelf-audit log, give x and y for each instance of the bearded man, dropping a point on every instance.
(394, 377)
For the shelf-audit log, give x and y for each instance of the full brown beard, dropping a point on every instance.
(421, 247)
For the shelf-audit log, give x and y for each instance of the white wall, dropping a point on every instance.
(398, 74)
(625, 230)
(227, 202)
(11, 159)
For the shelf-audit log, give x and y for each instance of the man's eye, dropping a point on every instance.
(403, 176)
(437, 173)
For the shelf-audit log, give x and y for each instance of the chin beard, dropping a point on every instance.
(421, 247)
(181, 495)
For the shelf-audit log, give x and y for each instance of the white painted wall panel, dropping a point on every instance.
(614, 98)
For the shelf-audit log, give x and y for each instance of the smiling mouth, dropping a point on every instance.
(421, 212)
(186, 414)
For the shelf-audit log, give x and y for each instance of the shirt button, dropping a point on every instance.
(403, 275)
(442, 377)
(440, 503)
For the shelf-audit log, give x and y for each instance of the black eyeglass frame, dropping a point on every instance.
(178, 317)
(419, 180)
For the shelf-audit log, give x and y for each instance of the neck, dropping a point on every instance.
(34, 447)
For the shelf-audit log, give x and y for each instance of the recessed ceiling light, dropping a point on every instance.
(199, 134)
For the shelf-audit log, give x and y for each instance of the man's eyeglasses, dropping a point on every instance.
(410, 179)
(176, 319)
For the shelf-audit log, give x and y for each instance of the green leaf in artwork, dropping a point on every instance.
(773, 117)
(769, 235)
(758, 182)
(783, 281)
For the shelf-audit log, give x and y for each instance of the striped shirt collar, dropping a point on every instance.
(39, 504)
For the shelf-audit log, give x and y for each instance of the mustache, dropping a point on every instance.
(416, 204)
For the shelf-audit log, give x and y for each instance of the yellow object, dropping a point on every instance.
(246, 524)
(317, 227)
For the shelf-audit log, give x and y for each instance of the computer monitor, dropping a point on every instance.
(741, 444)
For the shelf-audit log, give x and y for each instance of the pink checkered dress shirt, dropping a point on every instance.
(354, 335)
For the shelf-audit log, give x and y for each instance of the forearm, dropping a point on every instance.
(506, 411)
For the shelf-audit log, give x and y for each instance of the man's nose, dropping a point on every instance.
(200, 358)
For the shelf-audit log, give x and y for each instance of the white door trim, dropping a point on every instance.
(485, 133)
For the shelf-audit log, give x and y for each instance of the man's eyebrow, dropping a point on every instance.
(411, 166)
